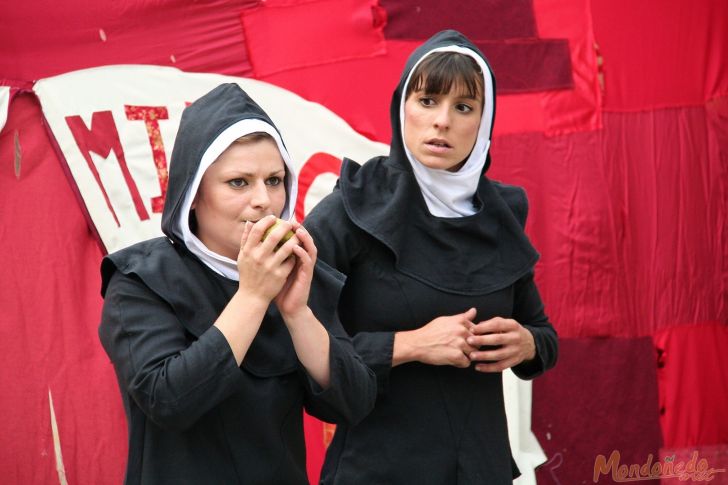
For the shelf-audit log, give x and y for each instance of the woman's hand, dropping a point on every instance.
(443, 341)
(514, 344)
(310, 338)
(292, 299)
(264, 269)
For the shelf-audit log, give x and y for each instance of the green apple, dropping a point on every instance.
(285, 237)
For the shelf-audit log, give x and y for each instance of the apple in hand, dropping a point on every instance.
(285, 237)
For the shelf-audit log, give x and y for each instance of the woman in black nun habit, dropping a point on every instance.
(220, 339)
(440, 296)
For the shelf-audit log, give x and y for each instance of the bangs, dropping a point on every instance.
(443, 72)
(254, 137)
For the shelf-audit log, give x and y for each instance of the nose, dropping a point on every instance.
(259, 197)
(441, 118)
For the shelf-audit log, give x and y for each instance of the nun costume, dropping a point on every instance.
(417, 243)
(194, 415)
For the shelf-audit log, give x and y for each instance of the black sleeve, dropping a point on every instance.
(173, 381)
(528, 310)
(341, 244)
(352, 389)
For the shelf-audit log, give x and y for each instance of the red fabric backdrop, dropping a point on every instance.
(625, 162)
(50, 311)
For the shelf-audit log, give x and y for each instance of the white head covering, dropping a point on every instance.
(450, 194)
(217, 262)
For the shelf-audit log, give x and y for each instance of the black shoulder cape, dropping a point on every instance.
(197, 295)
(476, 254)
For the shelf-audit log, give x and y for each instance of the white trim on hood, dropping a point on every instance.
(217, 262)
(450, 194)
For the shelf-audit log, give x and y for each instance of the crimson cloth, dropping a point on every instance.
(601, 397)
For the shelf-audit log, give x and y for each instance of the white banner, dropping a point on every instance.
(116, 127)
(4, 105)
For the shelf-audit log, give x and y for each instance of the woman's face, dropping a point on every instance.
(245, 183)
(440, 129)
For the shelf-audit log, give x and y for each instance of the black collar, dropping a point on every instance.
(471, 255)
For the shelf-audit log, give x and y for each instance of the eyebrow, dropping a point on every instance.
(467, 96)
(458, 96)
(248, 174)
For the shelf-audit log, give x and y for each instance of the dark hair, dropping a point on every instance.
(254, 137)
(439, 72)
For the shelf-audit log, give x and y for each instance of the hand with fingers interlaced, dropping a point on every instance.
(508, 344)
(443, 341)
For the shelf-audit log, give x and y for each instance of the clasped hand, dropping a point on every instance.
(456, 340)
(281, 274)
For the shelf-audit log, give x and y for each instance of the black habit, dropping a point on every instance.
(194, 416)
(432, 425)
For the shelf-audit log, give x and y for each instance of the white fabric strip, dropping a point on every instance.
(450, 194)
(4, 105)
(222, 264)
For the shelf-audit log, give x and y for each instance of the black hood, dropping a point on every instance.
(474, 254)
(202, 123)
(176, 273)
(441, 40)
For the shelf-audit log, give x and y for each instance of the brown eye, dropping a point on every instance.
(273, 181)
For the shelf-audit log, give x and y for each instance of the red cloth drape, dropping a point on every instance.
(601, 397)
(693, 379)
(49, 313)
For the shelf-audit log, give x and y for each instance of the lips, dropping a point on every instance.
(438, 145)
(438, 142)
(257, 219)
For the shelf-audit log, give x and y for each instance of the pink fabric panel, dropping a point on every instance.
(693, 380)
(600, 397)
(419, 19)
(529, 65)
(568, 224)
(717, 115)
(291, 36)
(44, 38)
(662, 53)
(358, 90)
(668, 186)
(521, 60)
(49, 313)
(374, 79)
(630, 220)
